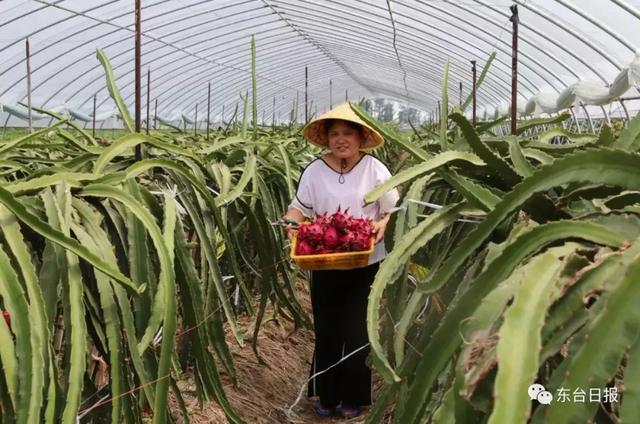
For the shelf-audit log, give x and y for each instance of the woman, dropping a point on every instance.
(339, 180)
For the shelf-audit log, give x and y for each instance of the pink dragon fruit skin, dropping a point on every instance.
(340, 220)
(323, 220)
(345, 241)
(312, 233)
(330, 237)
(361, 242)
(360, 225)
(304, 248)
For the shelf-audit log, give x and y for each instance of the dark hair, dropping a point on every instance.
(328, 123)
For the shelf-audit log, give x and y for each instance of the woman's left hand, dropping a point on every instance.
(379, 227)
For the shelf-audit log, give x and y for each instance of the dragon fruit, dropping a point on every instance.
(330, 237)
(340, 220)
(346, 239)
(360, 242)
(303, 248)
(314, 233)
(360, 225)
(323, 220)
(336, 233)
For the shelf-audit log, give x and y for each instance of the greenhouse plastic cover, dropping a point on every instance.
(570, 52)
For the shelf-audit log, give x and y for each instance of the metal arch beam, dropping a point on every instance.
(523, 54)
(233, 93)
(281, 44)
(194, 68)
(450, 52)
(119, 28)
(51, 25)
(228, 82)
(318, 98)
(196, 55)
(456, 53)
(598, 24)
(464, 42)
(521, 37)
(549, 39)
(90, 83)
(629, 9)
(205, 78)
(83, 14)
(197, 78)
(205, 61)
(150, 61)
(542, 13)
(166, 77)
(420, 66)
(367, 31)
(307, 38)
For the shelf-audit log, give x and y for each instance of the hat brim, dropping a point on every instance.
(316, 133)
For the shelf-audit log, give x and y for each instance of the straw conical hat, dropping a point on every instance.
(315, 131)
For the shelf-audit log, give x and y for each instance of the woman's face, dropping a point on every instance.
(344, 141)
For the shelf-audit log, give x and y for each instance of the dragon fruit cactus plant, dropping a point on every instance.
(338, 232)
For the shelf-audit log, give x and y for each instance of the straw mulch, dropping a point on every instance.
(266, 392)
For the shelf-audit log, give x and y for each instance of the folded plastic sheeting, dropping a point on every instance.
(23, 113)
(586, 92)
(88, 118)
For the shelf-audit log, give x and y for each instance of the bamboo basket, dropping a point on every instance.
(324, 261)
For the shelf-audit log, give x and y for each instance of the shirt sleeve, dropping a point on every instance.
(388, 200)
(302, 200)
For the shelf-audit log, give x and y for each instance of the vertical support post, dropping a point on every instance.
(195, 122)
(330, 94)
(606, 115)
(148, 97)
(346, 95)
(208, 109)
(473, 92)
(626, 112)
(586, 112)
(138, 149)
(514, 68)
(575, 119)
(460, 101)
(28, 58)
(306, 94)
(155, 115)
(93, 127)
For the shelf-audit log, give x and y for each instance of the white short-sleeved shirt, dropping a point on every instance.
(319, 191)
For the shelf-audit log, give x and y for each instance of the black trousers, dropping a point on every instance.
(339, 301)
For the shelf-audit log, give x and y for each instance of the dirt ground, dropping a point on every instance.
(266, 394)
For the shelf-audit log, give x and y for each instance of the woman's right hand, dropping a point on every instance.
(289, 230)
(292, 215)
